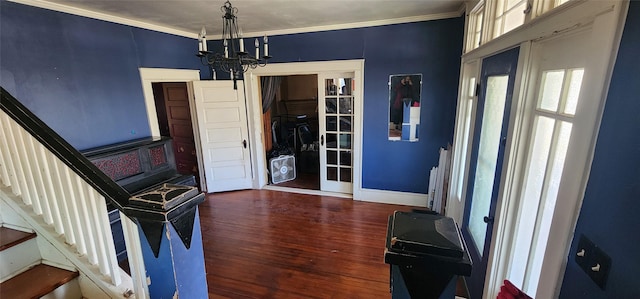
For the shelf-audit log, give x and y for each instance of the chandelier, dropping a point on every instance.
(235, 59)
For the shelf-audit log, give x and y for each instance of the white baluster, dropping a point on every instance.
(70, 191)
(134, 254)
(56, 177)
(4, 161)
(13, 165)
(49, 189)
(89, 229)
(102, 218)
(29, 194)
(37, 176)
(98, 231)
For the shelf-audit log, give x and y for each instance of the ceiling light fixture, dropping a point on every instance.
(235, 60)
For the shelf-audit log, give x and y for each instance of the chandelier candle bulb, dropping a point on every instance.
(266, 46)
(226, 50)
(203, 39)
(241, 40)
(257, 43)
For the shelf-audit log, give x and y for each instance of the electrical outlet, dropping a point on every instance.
(593, 261)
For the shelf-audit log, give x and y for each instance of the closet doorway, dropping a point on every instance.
(291, 130)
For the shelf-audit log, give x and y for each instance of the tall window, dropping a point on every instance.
(553, 123)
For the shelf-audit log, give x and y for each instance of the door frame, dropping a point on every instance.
(254, 112)
(148, 76)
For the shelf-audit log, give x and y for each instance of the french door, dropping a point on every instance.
(488, 146)
(336, 118)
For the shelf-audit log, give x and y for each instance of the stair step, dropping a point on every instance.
(11, 237)
(35, 282)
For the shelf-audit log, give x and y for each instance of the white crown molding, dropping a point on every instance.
(140, 24)
(375, 23)
(104, 17)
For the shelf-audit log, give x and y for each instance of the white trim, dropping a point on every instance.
(152, 75)
(430, 17)
(306, 191)
(254, 110)
(164, 29)
(393, 197)
(105, 17)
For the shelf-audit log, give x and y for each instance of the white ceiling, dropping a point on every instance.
(256, 17)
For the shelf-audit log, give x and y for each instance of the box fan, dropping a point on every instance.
(282, 169)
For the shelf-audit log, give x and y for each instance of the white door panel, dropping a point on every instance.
(222, 124)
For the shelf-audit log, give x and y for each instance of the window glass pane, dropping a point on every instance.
(330, 104)
(332, 173)
(512, 3)
(345, 105)
(537, 166)
(574, 91)
(551, 88)
(472, 87)
(346, 86)
(331, 89)
(332, 157)
(548, 204)
(499, 7)
(332, 123)
(332, 140)
(345, 174)
(497, 27)
(514, 18)
(487, 157)
(345, 123)
(345, 141)
(345, 158)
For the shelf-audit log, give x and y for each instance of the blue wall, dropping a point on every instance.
(610, 214)
(80, 75)
(430, 48)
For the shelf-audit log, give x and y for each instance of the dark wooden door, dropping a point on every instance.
(178, 123)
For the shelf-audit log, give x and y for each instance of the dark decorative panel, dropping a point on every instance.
(158, 156)
(120, 166)
(153, 231)
(183, 225)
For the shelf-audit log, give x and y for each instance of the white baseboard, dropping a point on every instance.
(391, 197)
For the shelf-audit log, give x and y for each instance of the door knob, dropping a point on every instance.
(487, 219)
(244, 143)
(321, 139)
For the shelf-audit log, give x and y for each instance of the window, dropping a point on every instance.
(509, 14)
(503, 16)
(553, 122)
(466, 109)
(476, 17)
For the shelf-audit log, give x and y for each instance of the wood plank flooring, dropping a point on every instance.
(270, 244)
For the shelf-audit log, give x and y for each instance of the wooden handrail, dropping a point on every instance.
(111, 191)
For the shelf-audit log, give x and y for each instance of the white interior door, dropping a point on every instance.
(221, 115)
(336, 122)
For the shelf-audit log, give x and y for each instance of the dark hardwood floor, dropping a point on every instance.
(304, 180)
(269, 244)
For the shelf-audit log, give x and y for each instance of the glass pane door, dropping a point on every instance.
(336, 117)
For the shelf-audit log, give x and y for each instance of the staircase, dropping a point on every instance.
(24, 274)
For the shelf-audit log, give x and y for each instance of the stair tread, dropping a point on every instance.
(35, 282)
(11, 237)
